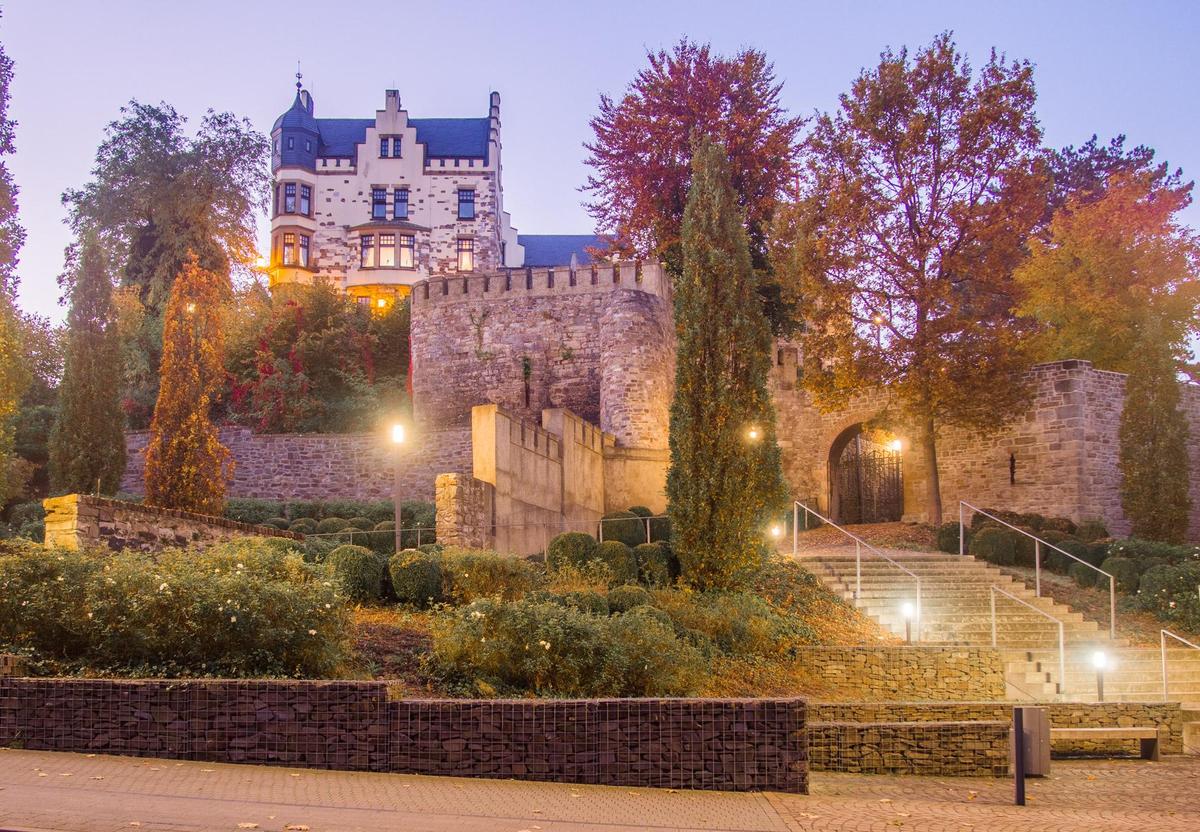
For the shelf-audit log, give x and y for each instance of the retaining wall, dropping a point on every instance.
(78, 520)
(905, 672)
(720, 744)
(945, 749)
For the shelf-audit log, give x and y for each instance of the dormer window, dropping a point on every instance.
(400, 204)
(379, 203)
(466, 204)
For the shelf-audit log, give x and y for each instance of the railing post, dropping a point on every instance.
(601, 535)
(1162, 647)
(1062, 662)
(962, 533)
(1037, 567)
(992, 596)
(795, 528)
(647, 529)
(918, 609)
(857, 569)
(1112, 607)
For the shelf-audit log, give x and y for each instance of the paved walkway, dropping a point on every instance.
(69, 792)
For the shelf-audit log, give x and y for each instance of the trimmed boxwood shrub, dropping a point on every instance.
(277, 522)
(994, 544)
(416, 577)
(303, 525)
(624, 598)
(362, 523)
(1082, 574)
(948, 537)
(316, 549)
(619, 559)
(358, 570)
(570, 549)
(1089, 531)
(624, 526)
(1060, 563)
(593, 603)
(255, 512)
(1058, 524)
(660, 529)
(640, 511)
(1125, 571)
(331, 524)
(654, 564)
(1152, 550)
(1054, 536)
(1024, 547)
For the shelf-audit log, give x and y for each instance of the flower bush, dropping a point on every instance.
(470, 574)
(737, 623)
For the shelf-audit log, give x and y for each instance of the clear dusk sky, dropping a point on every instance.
(1102, 67)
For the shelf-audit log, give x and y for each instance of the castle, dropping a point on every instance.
(542, 379)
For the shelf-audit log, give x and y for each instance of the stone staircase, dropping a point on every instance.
(956, 609)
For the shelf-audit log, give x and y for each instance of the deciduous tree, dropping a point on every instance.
(14, 378)
(724, 482)
(642, 150)
(1154, 440)
(186, 464)
(12, 235)
(87, 444)
(917, 197)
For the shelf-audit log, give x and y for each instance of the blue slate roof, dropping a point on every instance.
(297, 116)
(464, 138)
(556, 249)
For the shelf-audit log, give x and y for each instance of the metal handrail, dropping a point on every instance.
(1037, 560)
(1062, 660)
(858, 544)
(1162, 638)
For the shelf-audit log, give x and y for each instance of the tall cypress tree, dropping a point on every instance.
(87, 443)
(725, 479)
(1154, 451)
(186, 464)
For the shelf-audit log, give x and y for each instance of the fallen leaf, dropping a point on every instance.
(208, 770)
(97, 777)
(64, 774)
(295, 827)
(885, 800)
(1091, 777)
(247, 826)
(41, 774)
(89, 755)
(135, 823)
(295, 775)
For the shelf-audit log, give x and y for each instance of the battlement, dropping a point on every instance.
(543, 282)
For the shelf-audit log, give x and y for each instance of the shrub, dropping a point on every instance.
(307, 509)
(948, 537)
(624, 598)
(660, 529)
(570, 549)
(739, 623)
(416, 577)
(26, 514)
(317, 549)
(361, 523)
(624, 526)
(1058, 524)
(1082, 574)
(1125, 571)
(249, 607)
(592, 603)
(619, 559)
(1060, 563)
(554, 650)
(1089, 531)
(1145, 550)
(358, 570)
(640, 511)
(330, 525)
(654, 565)
(255, 512)
(1170, 592)
(994, 544)
(1024, 547)
(1054, 536)
(470, 574)
(303, 525)
(1034, 522)
(277, 522)
(593, 576)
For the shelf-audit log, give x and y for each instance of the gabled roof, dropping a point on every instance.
(297, 115)
(450, 137)
(556, 249)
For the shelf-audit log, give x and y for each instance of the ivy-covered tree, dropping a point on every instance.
(186, 464)
(724, 482)
(87, 443)
(1154, 447)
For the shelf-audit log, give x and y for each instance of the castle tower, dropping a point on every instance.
(637, 367)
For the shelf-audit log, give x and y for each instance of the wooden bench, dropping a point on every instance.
(1148, 737)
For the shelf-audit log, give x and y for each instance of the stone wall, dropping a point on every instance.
(311, 466)
(905, 672)
(78, 520)
(466, 509)
(737, 745)
(1063, 447)
(942, 749)
(10, 665)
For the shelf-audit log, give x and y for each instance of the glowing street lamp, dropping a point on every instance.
(190, 308)
(908, 611)
(896, 446)
(776, 531)
(1100, 662)
(398, 443)
(753, 433)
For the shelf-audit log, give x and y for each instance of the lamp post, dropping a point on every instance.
(1100, 662)
(397, 442)
(907, 610)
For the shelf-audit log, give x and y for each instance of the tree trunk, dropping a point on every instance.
(933, 486)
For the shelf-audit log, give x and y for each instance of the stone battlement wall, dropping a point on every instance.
(555, 281)
(311, 466)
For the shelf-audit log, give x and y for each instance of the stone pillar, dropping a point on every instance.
(465, 508)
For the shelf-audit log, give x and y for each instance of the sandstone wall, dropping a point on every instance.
(941, 749)
(351, 466)
(466, 511)
(78, 520)
(905, 672)
(735, 745)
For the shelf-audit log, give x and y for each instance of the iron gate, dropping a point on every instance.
(869, 483)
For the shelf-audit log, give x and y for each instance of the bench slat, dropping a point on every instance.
(1103, 733)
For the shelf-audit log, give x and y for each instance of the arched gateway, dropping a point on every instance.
(866, 480)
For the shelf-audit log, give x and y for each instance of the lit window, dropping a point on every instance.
(381, 303)
(400, 204)
(367, 260)
(383, 148)
(304, 251)
(466, 255)
(289, 249)
(407, 251)
(387, 250)
(289, 198)
(466, 204)
(363, 302)
(305, 200)
(378, 204)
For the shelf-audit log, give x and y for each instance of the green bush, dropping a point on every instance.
(592, 603)
(1146, 550)
(570, 549)
(361, 523)
(1058, 562)
(277, 522)
(554, 650)
(330, 525)
(1083, 574)
(303, 525)
(640, 511)
(249, 607)
(624, 598)
(738, 623)
(317, 549)
(1124, 570)
(624, 526)
(1034, 522)
(471, 574)
(1089, 531)
(654, 564)
(255, 512)
(660, 530)
(304, 509)
(994, 544)
(1170, 592)
(1024, 547)
(358, 570)
(948, 537)
(1058, 524)
(416, 577)
(619, 559)
(1054, 536)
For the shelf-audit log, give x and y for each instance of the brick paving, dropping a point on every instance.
(76, 792)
